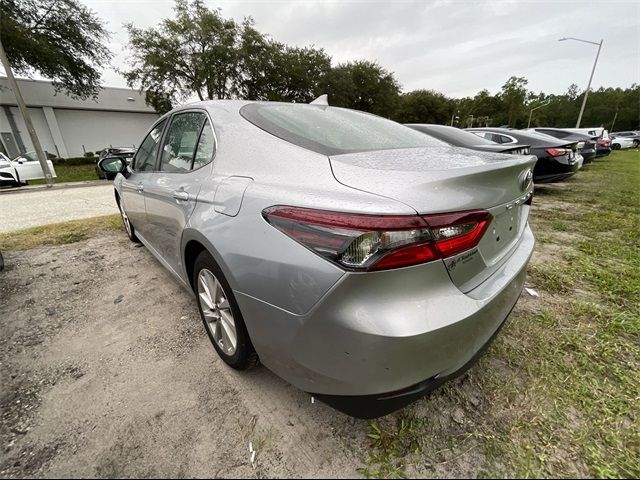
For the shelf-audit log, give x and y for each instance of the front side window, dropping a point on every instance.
(145, 159)
(332, 130)
(180, 142)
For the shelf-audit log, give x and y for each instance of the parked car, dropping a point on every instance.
(586, 145)
(634, 135)
(459, 138)
(600, 135)
(362, 261)
(603, 147)
(599, 132)
(8, 173)
(21, 169)
(557, 158)
(122, 152)
(618, 143)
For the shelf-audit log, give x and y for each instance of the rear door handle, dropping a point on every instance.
(181, 195)
(140, 188)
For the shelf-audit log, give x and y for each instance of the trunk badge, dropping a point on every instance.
(525, 180)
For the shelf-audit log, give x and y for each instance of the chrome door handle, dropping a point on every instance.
(140, 188)
(181, 195)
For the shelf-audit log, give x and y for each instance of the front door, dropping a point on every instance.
(133, 186)
(185, 162)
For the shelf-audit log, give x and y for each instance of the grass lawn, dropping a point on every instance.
(557, 394)
(59, 233)
(71, 173)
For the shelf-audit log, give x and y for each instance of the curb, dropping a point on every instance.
(55, 186)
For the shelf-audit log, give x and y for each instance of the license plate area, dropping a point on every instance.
(503, 231)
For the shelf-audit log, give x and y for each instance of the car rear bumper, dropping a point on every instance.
(374, 406)
(381, 332)
(588, 156)
(549, 170)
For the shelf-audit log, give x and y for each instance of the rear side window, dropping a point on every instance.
(486, 136)
(180, 142)
(206, 146)
(145, 160)
(332, 130)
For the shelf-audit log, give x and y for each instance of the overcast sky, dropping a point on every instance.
(456, 47)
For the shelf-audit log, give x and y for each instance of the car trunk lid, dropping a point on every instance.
(448, 179)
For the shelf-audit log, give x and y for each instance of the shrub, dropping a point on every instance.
(75, 161)
(89, 154)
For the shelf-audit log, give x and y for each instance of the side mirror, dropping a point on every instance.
(112, 165)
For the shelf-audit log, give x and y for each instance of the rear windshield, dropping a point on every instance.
(333, 130)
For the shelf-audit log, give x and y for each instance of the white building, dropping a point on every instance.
(68, 127)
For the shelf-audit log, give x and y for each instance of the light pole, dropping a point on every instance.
(586, 94)
(535, 108)
(26, 117)
(455, 117)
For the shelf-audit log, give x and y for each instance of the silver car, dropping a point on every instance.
(362, 261)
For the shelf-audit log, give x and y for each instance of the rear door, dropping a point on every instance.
(134, 185)
(185, 162)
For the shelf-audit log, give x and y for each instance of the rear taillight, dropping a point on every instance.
(380, 242)
(556, 152)
(604, 143)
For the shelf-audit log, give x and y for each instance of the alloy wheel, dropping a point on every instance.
(217, 312)
(125, 222)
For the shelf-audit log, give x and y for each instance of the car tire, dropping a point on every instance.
(128, 228)
(636, 143)
(615, 146)
(221, 315)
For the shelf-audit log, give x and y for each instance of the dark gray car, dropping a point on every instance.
(459, 138)
(557, 159)
(586, 144)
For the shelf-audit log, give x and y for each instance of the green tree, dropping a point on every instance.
(195, 53)
(423, 106)
(361, 85)
(513, 95)
(60, 39)
(200, 53)
(278, 72)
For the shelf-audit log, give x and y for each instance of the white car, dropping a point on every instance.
(21, 169)
(599, 132)
(618, 143)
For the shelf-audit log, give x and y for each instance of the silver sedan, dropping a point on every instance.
(360, 260)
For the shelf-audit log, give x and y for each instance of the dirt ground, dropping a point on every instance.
(106, 371)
